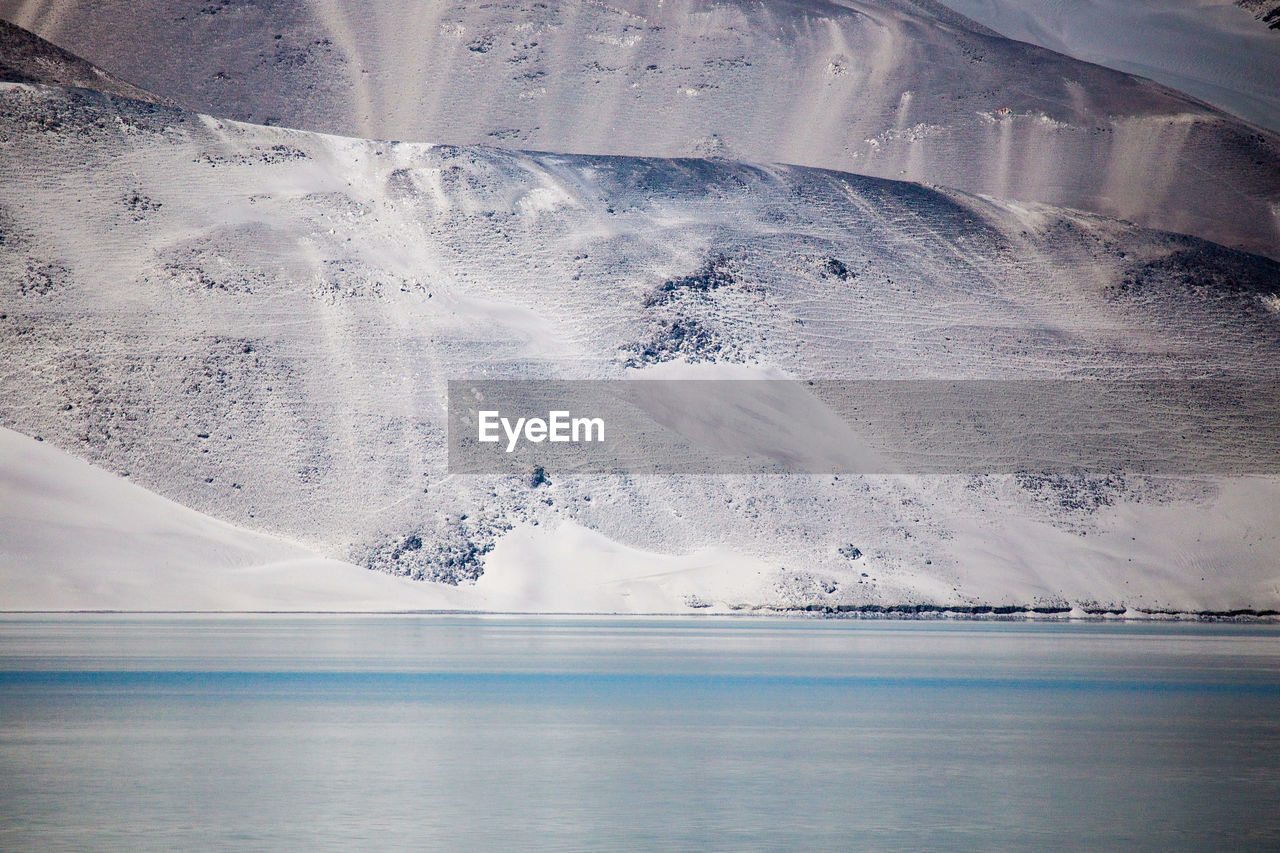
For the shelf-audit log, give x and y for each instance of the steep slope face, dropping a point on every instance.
(1210, 49)
(891, 88)
(27, 58)
(76, 538)
(260, 323)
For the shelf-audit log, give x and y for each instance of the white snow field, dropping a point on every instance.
(893, 88)
(73, 537)
(1215, 50)
(259, 324)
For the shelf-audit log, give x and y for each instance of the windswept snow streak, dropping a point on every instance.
(892, 88)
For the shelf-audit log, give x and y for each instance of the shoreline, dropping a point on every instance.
(874, 612)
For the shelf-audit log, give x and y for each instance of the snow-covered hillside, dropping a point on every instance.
(892, 88)
(259, 324)
(73, 537)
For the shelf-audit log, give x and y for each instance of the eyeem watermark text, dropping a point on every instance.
(558, 426)
(1225, 425)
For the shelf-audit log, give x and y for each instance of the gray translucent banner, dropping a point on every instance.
(1163, 427)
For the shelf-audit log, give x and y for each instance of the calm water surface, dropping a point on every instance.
(408, 732)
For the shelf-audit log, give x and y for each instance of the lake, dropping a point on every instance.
(170, 732)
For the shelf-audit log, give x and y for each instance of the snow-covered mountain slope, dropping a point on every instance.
(73, 537)
(259, 324)
(892, 88)
(1211, 49)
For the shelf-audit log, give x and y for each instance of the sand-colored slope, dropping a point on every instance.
(879, 87)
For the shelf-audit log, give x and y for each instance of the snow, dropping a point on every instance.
(566, 568)
(259, 324)
(918, 87)
(74, 537)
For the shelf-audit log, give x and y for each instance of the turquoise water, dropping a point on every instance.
(409, 732)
